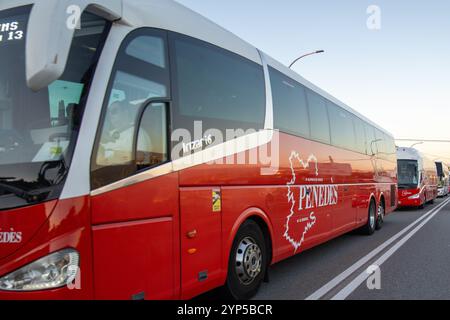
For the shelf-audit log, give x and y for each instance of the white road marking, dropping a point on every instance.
(352, 286)
(344, 275)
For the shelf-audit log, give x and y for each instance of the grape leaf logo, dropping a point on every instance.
(296, 239)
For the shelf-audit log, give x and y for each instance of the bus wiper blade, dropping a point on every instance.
(28, 196)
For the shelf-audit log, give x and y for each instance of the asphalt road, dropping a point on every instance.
(412, 252)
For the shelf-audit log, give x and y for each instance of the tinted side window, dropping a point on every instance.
(386, 147)
(149, 49)
(391, 148)
(289, 105)
(217, 87)
(381, 144)
(370, 140)
(360, 136)
(318, 115)
(140, 73)
(342, 128)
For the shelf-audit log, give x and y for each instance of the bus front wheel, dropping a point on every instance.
(248, 262)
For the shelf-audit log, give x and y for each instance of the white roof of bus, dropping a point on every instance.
(170, 15)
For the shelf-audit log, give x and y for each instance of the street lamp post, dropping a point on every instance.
(416, 144)
(306, 55)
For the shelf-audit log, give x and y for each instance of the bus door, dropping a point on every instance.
(201, 239)
(135, 193)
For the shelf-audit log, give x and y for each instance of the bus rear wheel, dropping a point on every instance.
(370, 226)
(248, 262)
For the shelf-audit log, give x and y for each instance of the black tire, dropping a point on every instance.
(370, 226)
(242, 284)
(431, 201)
(422, 205)
(380, 216)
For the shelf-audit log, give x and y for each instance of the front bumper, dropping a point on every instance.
(406, 202)
(68, 226)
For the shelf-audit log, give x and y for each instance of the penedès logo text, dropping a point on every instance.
(10, 236)
(304, 200)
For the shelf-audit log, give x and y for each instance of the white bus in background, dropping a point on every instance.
(443, 175)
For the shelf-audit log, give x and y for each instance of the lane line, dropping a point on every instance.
(352, 286)
(347, 273)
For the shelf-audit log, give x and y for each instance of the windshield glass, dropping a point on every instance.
(408, 174)
(38, 130)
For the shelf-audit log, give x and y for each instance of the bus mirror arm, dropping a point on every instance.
(148, 102)
(140, 114)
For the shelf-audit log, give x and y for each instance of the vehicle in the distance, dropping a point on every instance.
(417, 178)
(147, 153)
(443, 176)
(448, 168)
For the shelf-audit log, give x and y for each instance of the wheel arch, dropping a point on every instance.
(382, 200)
(373, 198)
(259, 217)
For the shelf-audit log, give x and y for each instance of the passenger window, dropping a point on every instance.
(289, 105)
(360, 136)
(219, 88)
(391, 148)
(371, 140)
(140, 73)
(381, 144)
(342, 127)
(127, 95)
(148, 49)
(318, 115)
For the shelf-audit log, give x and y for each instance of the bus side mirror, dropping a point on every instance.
(152, 134)
(50, 32)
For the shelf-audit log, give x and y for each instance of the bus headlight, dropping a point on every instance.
(53, 271)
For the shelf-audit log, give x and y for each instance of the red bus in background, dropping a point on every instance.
(417, 178)
(161, 156)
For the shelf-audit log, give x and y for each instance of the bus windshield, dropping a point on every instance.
(38, 130)
(408, 174)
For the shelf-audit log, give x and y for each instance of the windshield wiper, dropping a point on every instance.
(28, 196)
(41, 188)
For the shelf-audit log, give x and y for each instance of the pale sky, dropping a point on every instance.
(398, 76)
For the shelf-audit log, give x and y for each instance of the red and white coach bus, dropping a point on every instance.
(417, 178)
(116, 181)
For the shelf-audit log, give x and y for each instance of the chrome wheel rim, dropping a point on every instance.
(248, 260)
(372, 218)
(380, 214)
